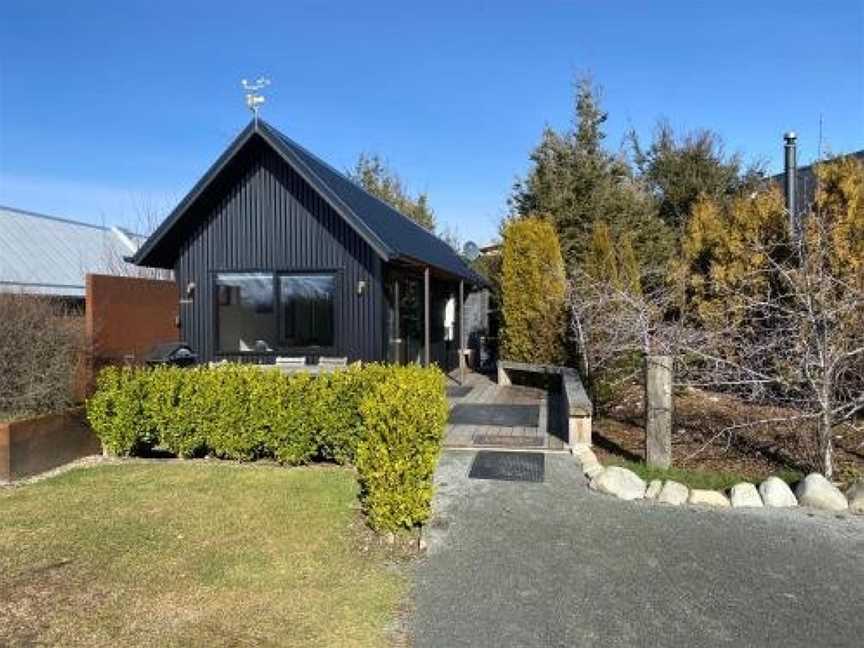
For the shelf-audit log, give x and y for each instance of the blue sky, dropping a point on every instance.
(107, 109)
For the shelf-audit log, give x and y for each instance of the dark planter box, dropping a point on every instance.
(33, 445)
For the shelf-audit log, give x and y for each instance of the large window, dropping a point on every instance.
(246, 312)
(306, 302)
(266, 313)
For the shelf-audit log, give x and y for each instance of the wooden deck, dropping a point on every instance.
(495, 416)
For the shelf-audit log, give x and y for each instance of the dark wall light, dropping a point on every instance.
(361, 287)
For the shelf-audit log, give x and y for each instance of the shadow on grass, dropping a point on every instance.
(614, 449)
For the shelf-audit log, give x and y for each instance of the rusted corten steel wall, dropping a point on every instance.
(125, 317)
(34, 445)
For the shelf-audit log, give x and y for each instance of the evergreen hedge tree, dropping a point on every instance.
(533, 292)
(578, 183)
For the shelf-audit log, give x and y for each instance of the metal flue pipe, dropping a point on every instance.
(790, 175)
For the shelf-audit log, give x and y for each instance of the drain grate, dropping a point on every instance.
(458, 392)
(509, 440)
(508, 466)
(499, 415)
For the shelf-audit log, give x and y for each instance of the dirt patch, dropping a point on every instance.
(714, 432)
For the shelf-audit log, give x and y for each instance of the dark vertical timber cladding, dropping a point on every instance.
(267, 218)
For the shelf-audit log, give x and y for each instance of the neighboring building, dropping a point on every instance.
(276, 253)
(46, 255)
(805, 181)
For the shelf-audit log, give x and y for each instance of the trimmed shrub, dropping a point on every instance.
(185, 432)
(533, 293)
(231, 430)
(281, 415)
(388, 421)
(337, 399)
(404, 419)
(116, 410)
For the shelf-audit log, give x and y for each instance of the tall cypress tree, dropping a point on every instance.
(575, 182)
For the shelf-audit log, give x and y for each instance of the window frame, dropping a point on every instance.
(334, 349)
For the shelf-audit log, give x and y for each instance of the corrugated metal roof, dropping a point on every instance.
(47, 255)
(401, 235)
(392, 234)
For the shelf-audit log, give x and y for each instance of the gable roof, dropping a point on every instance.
(390, 233)
(46, 255)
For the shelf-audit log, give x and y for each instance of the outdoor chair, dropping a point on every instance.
(291, 361)
(332, 362)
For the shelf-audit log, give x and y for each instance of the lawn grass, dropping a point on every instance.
(192, 553)
(702, 479)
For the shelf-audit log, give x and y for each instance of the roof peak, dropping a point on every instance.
(320, 160)
(390, 233)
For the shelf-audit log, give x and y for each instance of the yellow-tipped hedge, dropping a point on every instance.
(533, 293)
(386, 420)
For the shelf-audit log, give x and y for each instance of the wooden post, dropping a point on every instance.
(427, 320)
(461, 331)
(658, 411)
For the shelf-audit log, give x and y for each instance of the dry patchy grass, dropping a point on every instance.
(179, 554)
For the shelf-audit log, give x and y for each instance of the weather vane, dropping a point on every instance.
(254, 100)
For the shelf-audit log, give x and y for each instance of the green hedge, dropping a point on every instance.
(533, 293)
(386, 420)
(397, 454)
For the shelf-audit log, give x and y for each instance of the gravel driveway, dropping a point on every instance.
(554, 564)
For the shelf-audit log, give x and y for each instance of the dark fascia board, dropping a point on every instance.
(255, 128)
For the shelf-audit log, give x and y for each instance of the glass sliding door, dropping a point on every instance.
(307, 304)
(404, 319)
(264, 313)
(411, 319)
(245, 312)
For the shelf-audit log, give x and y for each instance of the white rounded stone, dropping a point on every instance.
(580, 450)
(587, 456)
(620, 482)
(673, 493)
(776, 493)
(701, 497)
(654, 488)
(745, 495)
(592, 470)
(817, 492)
(855, 495)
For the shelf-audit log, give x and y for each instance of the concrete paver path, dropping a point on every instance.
(554, 564)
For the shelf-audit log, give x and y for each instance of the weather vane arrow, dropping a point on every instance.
(254, 98)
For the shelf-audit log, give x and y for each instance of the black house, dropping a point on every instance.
(276, 253)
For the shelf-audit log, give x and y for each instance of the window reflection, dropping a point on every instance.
(246, 315)
(306, 303)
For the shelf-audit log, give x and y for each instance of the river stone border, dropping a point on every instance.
(814, 491)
